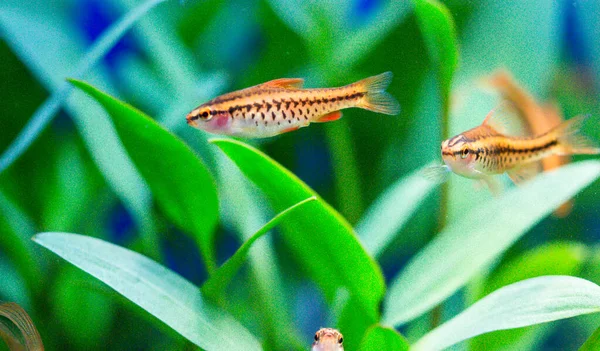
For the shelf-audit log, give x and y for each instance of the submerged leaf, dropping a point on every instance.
(592, 343)
(182, 185)
(533, 301)
(164, 294)
(378, 338)
(391, 211)
(218, 282)
(27, 338)
(468, 245)
(320, 238)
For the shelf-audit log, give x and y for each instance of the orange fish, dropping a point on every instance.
(281, 105)
(328, 339)
(489, 149)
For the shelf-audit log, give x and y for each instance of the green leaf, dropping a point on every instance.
(558, 258)
(181, 184)
(218, 282)
(43, 115)
(469, 244)
(321, 239)
(533, 301)
(437, 27)
(162, 293)
(379, 338)
(592, 343)
(388, 214)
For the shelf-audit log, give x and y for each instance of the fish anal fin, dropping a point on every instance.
(284, 83)
(291, 129)
(506, 120)
(524, 173)
(333, 116)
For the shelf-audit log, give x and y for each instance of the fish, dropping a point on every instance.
(281, 105)
(328, 339)
(489, 150)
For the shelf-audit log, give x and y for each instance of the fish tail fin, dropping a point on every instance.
(572, 141)
(376, 98)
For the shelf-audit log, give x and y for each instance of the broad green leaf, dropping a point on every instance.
(43, 115)
(26, 336)
(388, 214)
(437, 27)
(533, 301)
(164, 294)
(218, 282)
(320, 238)
(472, 242)
(181, 184)
(592, 343)
(379, 338)
(557, 258)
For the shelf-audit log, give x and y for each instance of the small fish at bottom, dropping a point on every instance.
(281, 106)
(328, 339)
(488, 150)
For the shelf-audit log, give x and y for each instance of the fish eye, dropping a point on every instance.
(340, 340)
(464, 153)
(317, 337)
(205, 114)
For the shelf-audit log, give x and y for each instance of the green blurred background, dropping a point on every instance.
(76, 178)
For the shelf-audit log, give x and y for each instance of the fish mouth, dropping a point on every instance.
(192, 120)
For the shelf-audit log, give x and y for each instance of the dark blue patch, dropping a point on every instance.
(94, 17)
(182, 256)
(362, 11)
(574, 40)
(121, 226)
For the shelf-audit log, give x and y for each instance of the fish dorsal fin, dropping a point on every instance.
(283, 83)
(506, 120)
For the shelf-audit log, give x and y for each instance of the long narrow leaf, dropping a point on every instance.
(533, 301)
(592, 343)
(384, 219)
(182, 185)
(378, 338)
(330, 250)
(43, 115)
(162, 293)
(468, 245)
(218, 282)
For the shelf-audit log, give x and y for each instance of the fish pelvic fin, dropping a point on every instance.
(572, 141)
(376, 98)
(333, 116)
(524, 173)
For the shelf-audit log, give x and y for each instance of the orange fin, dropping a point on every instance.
(572, 141)
(505, 120)
(333, 116)
(285, 83)
(290, 129)
(524, 173)
(376, 98)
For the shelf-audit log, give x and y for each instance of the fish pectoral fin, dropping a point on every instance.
(506, 120)
(333, 116)
(524, 173)
(285, 83)
(436, 174)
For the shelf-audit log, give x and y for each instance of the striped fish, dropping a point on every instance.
(281, 105)
(487, 150)
(328, 339)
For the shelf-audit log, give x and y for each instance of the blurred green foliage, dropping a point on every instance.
(109, 172)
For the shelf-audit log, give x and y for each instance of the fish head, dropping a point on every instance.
(328, 339)
(459, 155)
(210, 118)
